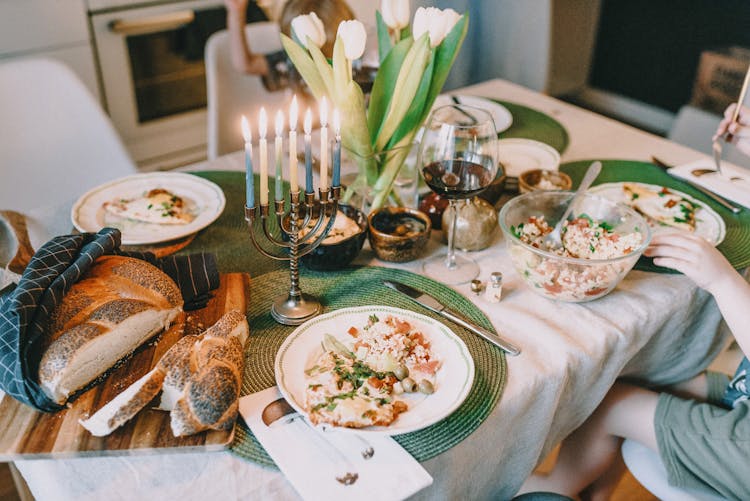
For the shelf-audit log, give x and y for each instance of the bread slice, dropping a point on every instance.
(124, 406)
(200, 378)
(117, 306)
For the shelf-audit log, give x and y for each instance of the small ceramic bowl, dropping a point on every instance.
(340, 254)
(543, 180)
(398, 234)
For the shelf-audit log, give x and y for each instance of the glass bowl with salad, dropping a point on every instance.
(602, 240)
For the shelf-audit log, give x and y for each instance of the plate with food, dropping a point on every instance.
(150, 208)
(500, 114)
(374, 369)
(667, 209)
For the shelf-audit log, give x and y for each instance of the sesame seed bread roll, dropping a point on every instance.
(117, 306)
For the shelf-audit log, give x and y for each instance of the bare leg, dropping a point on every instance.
(628, 412)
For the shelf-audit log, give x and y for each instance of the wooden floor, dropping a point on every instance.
(7, 488)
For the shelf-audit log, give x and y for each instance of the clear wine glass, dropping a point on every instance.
(458, 159)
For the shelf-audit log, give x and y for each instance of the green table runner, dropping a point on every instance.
(529, 123)
(357, 287)
(227, 237)
(736, 245)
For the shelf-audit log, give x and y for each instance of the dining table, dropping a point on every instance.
(654, 328)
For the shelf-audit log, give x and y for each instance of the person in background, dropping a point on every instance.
(274, 68)
(740, 129)
(701, 428)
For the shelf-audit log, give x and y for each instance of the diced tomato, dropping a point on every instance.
(402, 327)
(594, 292)
(360, 344)
(553, 288)
(430, 367)
(418, 338)
(375, 382)
(353, 331)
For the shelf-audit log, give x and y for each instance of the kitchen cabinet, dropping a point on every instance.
(57, 29)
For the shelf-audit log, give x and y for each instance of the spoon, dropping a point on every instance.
(272, 416)
(552, 239)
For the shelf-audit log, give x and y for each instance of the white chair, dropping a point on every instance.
(232, 94)
(647, 467)
(55, 140)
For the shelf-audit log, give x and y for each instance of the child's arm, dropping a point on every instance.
(709, 269)
(243, 59)
(740, 129)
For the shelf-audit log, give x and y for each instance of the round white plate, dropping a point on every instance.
(500, 114)
(519, 155)
(453, 380)
(708, 224)
(202, 198)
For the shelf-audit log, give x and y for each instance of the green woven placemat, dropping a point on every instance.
(358, 287)
(227, 237)
(529, 123)
(736, 244)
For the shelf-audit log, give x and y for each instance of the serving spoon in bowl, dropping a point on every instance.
(553, 239)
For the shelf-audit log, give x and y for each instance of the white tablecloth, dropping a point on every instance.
(657, 328)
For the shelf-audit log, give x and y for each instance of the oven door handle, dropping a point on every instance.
(152, 24)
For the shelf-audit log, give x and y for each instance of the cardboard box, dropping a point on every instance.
(719, 78)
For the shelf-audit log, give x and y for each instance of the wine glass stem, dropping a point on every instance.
(450, 258)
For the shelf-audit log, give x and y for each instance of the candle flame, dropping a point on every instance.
(293, 112)
(279, 123)
(308, 121)
(246, 132)
(336, 122)
(323, 112)
(263, 123)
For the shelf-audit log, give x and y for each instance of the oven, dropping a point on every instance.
(152, 76)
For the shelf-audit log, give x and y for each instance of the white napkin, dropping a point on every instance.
(737, 191)
(311, 459)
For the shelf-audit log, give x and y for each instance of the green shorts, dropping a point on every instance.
(705, 446)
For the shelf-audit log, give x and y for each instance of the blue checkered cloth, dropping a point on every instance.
(57, 265)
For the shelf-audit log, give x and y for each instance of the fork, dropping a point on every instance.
(716, 148)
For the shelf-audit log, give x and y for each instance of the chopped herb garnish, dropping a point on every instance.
(149, 206)
(592, 248)
(635, 196)
(373, 319)
(605, 226)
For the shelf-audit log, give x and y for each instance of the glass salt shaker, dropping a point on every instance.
(494, 289)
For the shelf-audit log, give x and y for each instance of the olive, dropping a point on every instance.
(408, 384)
(426, 387)
(401, 372)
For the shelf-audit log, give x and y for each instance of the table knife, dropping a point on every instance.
(714, 196)
(436, 306)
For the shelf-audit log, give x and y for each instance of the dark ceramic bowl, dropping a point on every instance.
(340, 254)
(398, 234)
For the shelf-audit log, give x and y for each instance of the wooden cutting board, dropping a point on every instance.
(27, 434)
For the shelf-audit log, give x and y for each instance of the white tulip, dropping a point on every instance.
(395, 13)
(438, 23)
(354, 37)
(309, 27)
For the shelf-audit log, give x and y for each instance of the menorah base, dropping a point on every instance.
(289, 310)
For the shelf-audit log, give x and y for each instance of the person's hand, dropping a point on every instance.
(740, 129)
(693, 256)
(236, 6)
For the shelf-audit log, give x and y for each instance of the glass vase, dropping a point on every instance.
(366, 182)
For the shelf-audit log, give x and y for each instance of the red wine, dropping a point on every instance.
(456, 178)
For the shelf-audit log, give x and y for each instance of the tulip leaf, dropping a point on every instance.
(355, 136)
(385, 44)
(407, 83)
(385, 82)
(324, 68)
(445, 54)
(341, 69)
(413, 118)
(405, 32)
(305, 65)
